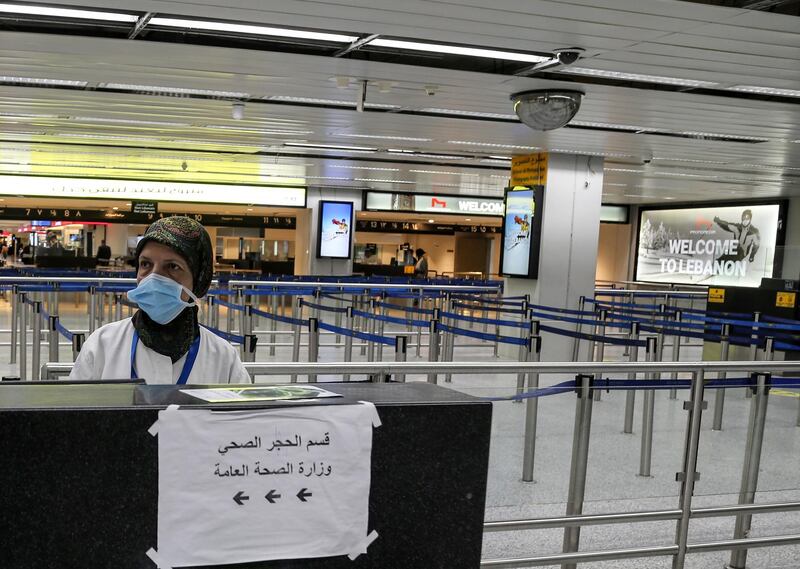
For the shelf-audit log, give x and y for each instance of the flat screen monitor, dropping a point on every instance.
(522, 221)
(334, 233)
(715, 245)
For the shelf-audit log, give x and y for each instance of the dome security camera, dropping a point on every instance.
(568, 55)
(237, 110)
(546, 109)
(647, 157)
(430, 90)
(184, 166)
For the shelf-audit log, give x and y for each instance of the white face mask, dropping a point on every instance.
(160, 297)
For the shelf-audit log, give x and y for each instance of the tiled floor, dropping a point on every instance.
(612, 482)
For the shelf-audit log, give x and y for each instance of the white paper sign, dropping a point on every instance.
(243, 486)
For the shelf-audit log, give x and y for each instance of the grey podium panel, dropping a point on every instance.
(79, 484)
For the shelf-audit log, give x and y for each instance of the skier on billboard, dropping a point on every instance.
(745, 234)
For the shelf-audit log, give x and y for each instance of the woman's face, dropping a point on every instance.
(165, 261)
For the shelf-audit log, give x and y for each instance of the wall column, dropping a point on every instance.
(569, 238)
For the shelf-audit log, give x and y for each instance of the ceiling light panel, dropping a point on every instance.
(713, 135)
(128, 121)
(331, 147)
(229, 27)
(460, 113)
(38, 81)
(764, 90)
(637, 77)
(67, 13)
(444, 172)
(458, 50)
(385, 137)
(379, 169)
(492, 145)
(175, 90)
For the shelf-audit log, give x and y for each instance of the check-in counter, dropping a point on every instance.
(80, 484)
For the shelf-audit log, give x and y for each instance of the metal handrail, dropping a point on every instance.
(650, 293)
(379, 286)
(569, 368)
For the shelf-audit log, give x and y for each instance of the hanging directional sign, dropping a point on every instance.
(246, 486)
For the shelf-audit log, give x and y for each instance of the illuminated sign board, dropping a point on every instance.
(96, 188)
(522, 224)
(431, 203)
(709, 245)
(334, 234)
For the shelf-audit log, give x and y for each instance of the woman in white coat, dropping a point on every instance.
(163, 341)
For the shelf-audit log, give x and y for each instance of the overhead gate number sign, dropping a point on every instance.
(246, 486)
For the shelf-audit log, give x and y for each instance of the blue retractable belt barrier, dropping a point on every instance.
(356, 334)
(563, 387)
(322, 307)
(229, 305)
(235, 338)
(279, 318)
(488, 308)
(492, 321)
(593, 322)
(392, 319)
(592, 337)
(406, 308)
(483, 335)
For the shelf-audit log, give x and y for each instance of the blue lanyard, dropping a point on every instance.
(191, 356)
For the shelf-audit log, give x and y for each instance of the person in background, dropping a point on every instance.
(163, 342)
(747, 236)
(421, 266)
(103, 253)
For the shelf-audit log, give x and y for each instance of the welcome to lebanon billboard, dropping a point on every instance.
(710, 245)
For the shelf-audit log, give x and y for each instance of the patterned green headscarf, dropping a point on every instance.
(190, 240)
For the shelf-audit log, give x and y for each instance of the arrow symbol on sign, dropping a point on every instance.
(272, 496)
(240, 497)
(303, 494)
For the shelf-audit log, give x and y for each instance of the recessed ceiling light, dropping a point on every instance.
(589, 153)
(664, 158)
(249, 209)
(713, 135)
(492, 144)
(331, 147)
(67, 13)
(443, 172)
(458, 50)
(115, 208)
(457, 112)
(249, 29)
(38, 81)
(384, 181)
(260, 130)
(365, 168)
(467, 219)
(637, 77)
(385, 137)
(764, 90)
(128, 121)
(431, 221)
(624, 170)
(27, 116)
(175, 90)
(612, 126)
(127, 204)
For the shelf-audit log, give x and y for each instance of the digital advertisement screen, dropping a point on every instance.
(335, 229)
(521, 228)
(710, 245)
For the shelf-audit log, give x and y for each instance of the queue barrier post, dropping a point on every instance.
(531, 411)
(689, 475)
(249, 346)
(599, 354)
(719, 397)
(433, 348)
(578, 466)
(752, 461)
(92, 308)
(14, 323)
(297, 332)
(361, 323)
(338, 320)
(117, 306)
(313, 345)
(419, 330)
(348, 340)
(372, 329)
(630, 395)
(229, 317)
(77, 344)
(23, 337)
(676, 353)
(648, 412)
(101, 308)
(576, 341)
(52, 339)
(531, 331)
(753, 347)
(380, 324)
(400, 355)
(247, 329)
(36, 348)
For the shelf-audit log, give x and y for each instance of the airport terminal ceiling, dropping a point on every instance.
(687, 102)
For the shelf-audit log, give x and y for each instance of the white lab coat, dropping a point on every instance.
(107, 355)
